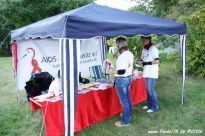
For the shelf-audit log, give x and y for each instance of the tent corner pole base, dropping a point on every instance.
(17, 96)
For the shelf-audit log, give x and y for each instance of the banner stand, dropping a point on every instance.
(17, 95)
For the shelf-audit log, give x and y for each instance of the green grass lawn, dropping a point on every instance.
(17, 119)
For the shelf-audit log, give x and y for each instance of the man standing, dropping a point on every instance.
(150, 61)
(123, 79)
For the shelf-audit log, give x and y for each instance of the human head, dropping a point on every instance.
(121, 43)
(146, 40)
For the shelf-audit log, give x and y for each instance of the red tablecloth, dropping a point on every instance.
(92, 107)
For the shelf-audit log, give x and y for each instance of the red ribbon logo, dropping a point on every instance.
(34, 62)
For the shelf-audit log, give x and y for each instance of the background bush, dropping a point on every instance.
(190, 12)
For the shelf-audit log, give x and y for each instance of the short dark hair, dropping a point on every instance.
(120, 39)
(121, 42)
(146, 37)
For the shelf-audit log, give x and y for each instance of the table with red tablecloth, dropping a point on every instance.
(92, 107)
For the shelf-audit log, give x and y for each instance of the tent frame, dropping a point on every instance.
(78, 24)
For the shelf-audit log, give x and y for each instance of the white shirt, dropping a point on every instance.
(55, 87)
(125, 61)
(150, 71)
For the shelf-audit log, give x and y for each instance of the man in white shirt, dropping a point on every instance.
(150, 62)
(123, 79)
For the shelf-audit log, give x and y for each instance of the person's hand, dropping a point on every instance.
(140, 73)
(137, 74)
(114, 56)
(140, 62)
(112, 71)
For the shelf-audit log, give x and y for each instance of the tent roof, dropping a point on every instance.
(94, 20)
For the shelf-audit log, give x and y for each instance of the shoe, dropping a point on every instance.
(120, 124)
(150, 111)
(144, 107)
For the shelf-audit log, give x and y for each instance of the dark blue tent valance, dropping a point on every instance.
(94, 20)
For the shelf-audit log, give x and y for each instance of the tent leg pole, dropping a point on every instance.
(182, 97)
(17, 95)
(183, 59)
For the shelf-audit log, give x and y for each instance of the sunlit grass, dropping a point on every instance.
(17, 119)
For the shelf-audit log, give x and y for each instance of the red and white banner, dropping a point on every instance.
(34, 56)
(42, 55)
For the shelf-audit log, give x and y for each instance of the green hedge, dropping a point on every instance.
(5, 52)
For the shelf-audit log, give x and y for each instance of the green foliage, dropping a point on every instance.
(18, 13)
(17, 119)
(167, 41)
(135, 45)
(143, 7)
(161, 7)
(5, 52)
(111, 42)
(196, 42)
(191, 12)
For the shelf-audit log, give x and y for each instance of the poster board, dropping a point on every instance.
(42, 55)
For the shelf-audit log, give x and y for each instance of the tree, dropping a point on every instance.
(18, 13)
(143, 7)
(196, 42)
(192, 13)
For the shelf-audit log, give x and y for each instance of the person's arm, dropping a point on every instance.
(140, 62)
(156, 56)
(156, 61)
(121, 65)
